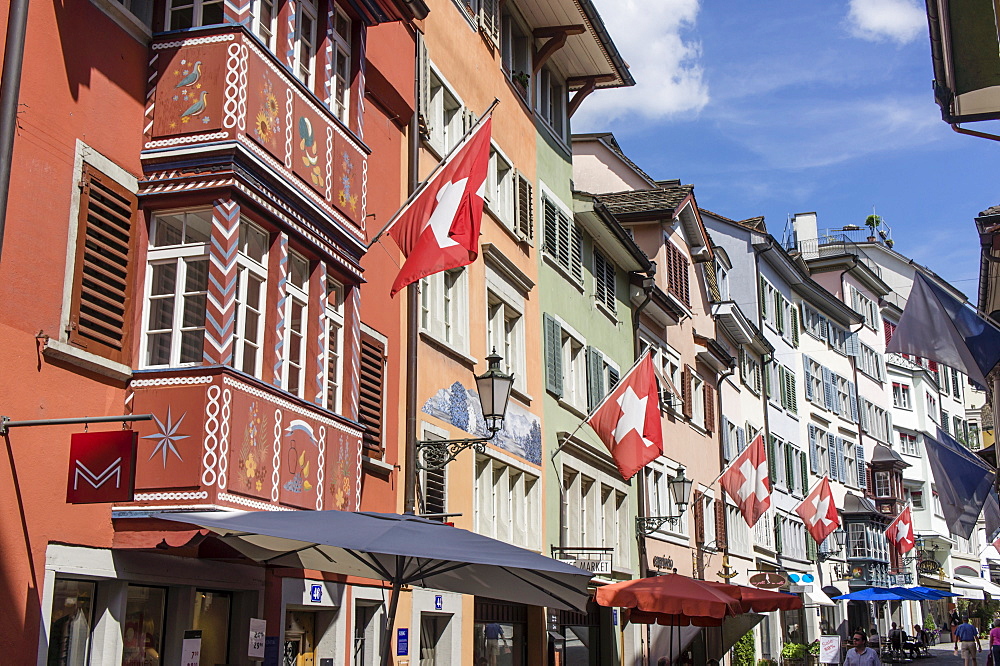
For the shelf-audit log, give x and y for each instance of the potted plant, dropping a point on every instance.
(794, 654)
(521, 79)
(873, 222)
(766, 662)
(814, 652)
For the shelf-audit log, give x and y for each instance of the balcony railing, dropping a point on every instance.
(221, 85)
(220, 437)
(831, 244)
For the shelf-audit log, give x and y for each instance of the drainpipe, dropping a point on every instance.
(10, 85)
(641, 484)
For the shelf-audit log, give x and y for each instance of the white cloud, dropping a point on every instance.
(665, 66)
(900, 21)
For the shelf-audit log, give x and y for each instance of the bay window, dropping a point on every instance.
(251, 273)
(296, 323)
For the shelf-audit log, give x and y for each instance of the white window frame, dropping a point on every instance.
(866, 307)
(295, 294)
(574, 362)
(340, 74)
(822, 452)
(444, 107)
(333, 345)
(882, 480)
(566, 232)
(901, 396)
(444, 306)
(249, 268)
(850, 464)
(697, 400)
(908, 444)
(605, 279)
(266, 30)
(552, 101)
(661, 501)
(505, 333)
(501, 181)
(197, 11)
(304, 69)
(180, 255)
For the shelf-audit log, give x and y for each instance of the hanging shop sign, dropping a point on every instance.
(768, 580)
(101, 467)
(929, 567)
(594, 566)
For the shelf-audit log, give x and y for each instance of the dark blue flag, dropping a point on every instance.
(964, 482)
(937, 326)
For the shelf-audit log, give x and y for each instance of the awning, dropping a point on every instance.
(817, 598)
(971, 588)
(936, 583)
(964, 582)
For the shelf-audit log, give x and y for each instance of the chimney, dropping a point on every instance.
(806, 234)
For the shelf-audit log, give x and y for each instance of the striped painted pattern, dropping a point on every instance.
(290, 37)
(279, 328)
(237, 11)
(150, 96)
(220, 311)
(352, 326)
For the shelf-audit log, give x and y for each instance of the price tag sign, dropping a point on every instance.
(191, 648)
(257, 630)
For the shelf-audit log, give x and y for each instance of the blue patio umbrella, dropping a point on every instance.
(935, 594)
(911, 594)
(873, 594)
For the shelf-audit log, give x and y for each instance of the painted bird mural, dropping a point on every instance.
(191, 78)
(197, 107)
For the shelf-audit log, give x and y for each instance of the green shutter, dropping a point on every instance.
(805, 472)
(811, 551)
(777, 533)
(794, 314)
(772, 466)
(779, 319)
(763, 298)
(553, 355)
(789, 467)
(595, 377)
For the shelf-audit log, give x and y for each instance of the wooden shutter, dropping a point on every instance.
(813, 450)
(830, 391)
(841, 460)
(677, 274)
(808, 377)
(793, 314)
(804, 469)
(721, 536)
(889, 328)
(859, 451)
(709, 408)
(698, 500)
(727, 444)
(779, 313)
(525, 209)
(553, 355)
(104, 270)
(489, 19)
(686, 386)
(791, 391)
(763, 298)
(371, 395)
(772, 461)
(853, 399)
(831, 449)
(789, 467)
(613, 378)
(811, 554)
(550, 222)
(576, 251)
(777, 533)
(423, 86)
(595, 377)
(741, 440)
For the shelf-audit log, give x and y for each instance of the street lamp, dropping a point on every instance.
(680, 491)
(494, 393)
(835, 548)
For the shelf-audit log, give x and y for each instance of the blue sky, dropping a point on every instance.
(779, 107)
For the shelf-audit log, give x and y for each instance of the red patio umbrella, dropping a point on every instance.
(673, 600)
(760, 601)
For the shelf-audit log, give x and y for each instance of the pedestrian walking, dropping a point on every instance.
(995, 642)
(861, 654)
(967, 644)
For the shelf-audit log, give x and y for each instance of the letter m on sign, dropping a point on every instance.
(101, 467)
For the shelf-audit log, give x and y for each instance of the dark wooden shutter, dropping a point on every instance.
(525, 209)
(553, 355)
(686, 385)
(709, 408)
(423, 86)
(698, 500)
(104, 270)
(772, 461)
(794, 323)
(721, 536)
(371, 395)
(550, 221)
(489, 19)
(595, 377)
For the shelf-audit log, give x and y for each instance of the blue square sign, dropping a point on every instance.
(438, 602)
(316, 594)
(402, 642)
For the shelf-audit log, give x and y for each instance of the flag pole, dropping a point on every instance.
(420, 187)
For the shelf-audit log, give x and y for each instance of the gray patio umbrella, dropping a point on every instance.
(399, 549)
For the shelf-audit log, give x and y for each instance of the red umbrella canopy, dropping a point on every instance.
(690, 600)
(759, 601)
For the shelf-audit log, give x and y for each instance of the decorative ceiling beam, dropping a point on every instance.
(556, 35)
(589, 84)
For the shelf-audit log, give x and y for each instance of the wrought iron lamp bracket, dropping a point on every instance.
(436, 454)
(646, 525)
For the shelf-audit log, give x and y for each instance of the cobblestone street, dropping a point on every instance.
(944, 655)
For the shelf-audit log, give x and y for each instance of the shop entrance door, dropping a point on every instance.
(299, 648)
(432, 628)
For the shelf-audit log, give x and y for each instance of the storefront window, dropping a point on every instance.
(72, 616)
(582, 632)
(143, 629)
(793, 626)
(211, 617)
(500, 633)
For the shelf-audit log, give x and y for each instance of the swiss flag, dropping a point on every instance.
(900, 532)
(819, 512)
(747, 481)
(628, 421)
(440, 228)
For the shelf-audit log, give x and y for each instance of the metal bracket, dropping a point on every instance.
(646, 525)
(6, 423)
(436, 454)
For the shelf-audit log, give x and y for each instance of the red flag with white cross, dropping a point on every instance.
(747, 481)
(628, 421)
(900, 533)
(819, 512)
(439, 229)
